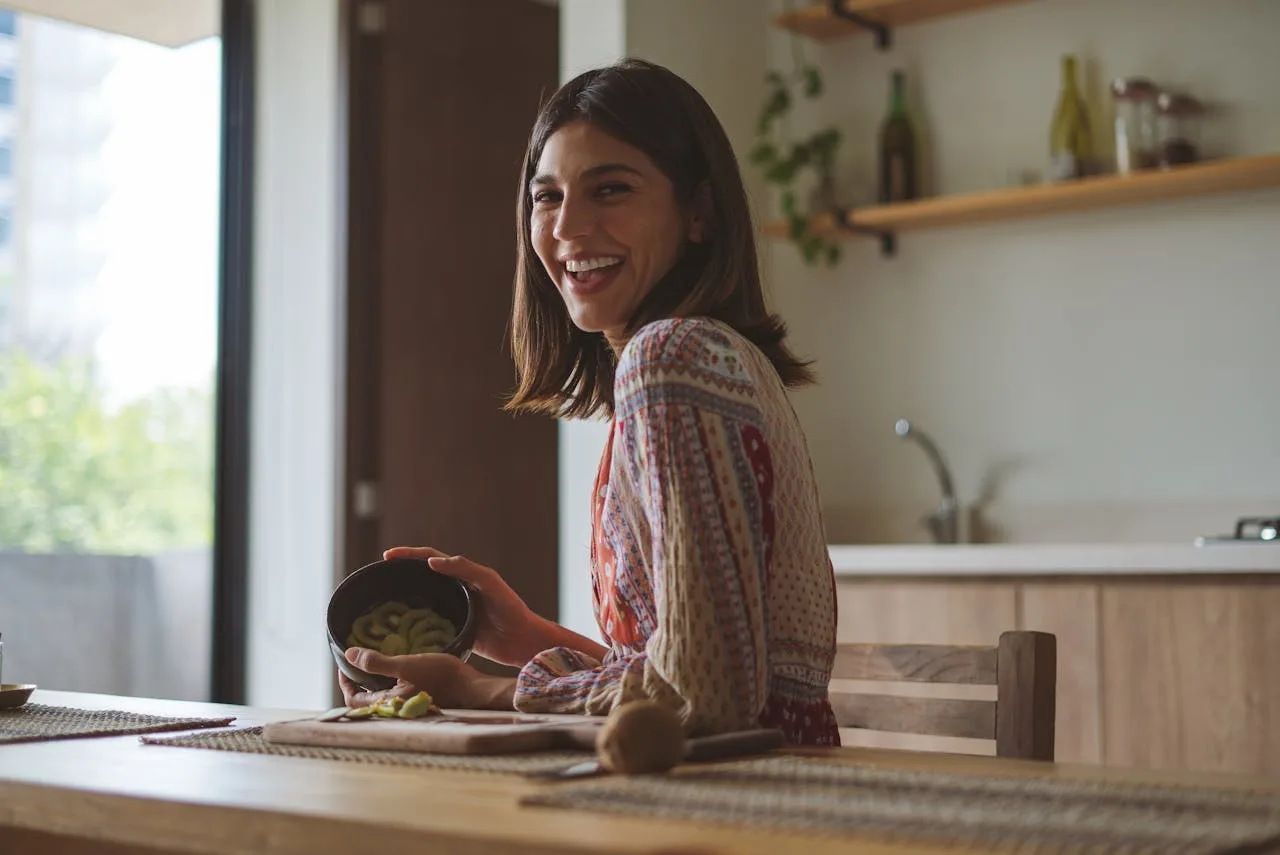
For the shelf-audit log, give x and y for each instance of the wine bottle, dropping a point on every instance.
(897, 148)
(1070, 142)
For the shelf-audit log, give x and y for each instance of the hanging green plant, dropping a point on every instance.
(783, 160)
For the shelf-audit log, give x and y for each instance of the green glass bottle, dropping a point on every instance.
(897, 148)
(1070, 141)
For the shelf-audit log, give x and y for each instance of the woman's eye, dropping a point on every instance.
(616, 189)
(546, 197)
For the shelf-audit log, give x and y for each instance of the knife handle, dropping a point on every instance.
(718, 747)
(737, 744)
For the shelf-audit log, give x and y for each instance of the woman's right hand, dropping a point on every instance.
(507, 630)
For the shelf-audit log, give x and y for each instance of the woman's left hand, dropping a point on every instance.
(450, 681)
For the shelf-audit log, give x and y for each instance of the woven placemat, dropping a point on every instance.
(37, 722)
(1047, 815)
(250, 740)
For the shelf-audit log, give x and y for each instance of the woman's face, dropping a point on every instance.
(605, 224)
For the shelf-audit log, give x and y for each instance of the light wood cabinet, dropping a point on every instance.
(1164, 672)
(1190, 674)
(1069, 610)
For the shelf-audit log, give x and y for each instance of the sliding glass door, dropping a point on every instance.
(111, 258)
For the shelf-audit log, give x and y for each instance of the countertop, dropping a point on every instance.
(1052, 559)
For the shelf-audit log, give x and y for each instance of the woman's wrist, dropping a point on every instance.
(488, 692)
(539, 634)
(556, 635)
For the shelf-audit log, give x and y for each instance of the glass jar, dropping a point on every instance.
(1177, 127)
(1135, 123)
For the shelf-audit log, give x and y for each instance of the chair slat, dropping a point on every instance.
(916, 663)
(930, 716)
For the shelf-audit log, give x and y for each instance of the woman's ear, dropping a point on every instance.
(700, 214)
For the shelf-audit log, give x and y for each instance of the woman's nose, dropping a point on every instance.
(575, 219)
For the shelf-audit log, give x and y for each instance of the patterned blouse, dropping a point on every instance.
(711, 581)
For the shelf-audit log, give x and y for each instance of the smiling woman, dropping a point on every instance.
(637, 297)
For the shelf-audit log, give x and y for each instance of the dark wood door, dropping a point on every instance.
(441, 97)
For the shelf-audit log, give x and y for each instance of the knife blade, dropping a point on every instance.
(721, 746)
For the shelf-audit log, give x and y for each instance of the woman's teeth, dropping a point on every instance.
(584, 269)
(582, 265)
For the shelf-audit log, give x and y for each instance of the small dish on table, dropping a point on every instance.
(14, 695)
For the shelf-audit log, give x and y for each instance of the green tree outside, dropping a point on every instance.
(79, 476)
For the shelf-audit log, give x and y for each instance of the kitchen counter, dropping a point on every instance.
(1166, 653)
(1052, 559)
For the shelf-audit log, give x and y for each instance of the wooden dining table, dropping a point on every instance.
(114, 795)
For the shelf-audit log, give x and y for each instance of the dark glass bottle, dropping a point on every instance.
(1070, 140)
(897, 148)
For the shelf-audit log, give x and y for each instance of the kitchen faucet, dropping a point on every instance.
(942, 523)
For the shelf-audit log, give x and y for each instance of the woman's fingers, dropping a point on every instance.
(423, 552)
(373, 662)
(460, 567)
(356, 697)
(436, 673)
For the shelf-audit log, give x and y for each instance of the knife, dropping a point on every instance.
(721, 746)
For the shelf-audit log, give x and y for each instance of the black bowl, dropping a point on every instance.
(411, 581)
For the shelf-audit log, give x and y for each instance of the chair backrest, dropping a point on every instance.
(1022, 666)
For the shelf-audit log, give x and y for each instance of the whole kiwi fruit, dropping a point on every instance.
(640, 738)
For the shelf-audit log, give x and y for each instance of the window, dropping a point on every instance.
(109, 248)
(8, 22)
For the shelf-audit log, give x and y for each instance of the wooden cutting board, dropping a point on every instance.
(455, 732)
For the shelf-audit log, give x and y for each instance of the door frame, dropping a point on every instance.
(360, 218)
(228, 668)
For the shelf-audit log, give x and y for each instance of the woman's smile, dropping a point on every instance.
(590, 274)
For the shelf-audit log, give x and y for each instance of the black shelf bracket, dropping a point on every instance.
(884, 35)
(888, 239)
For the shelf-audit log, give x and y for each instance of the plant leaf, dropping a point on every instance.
(812, 82)
(764, 152)
(797, 227)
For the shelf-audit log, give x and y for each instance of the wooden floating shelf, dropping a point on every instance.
(818, 22)
(1105, 191)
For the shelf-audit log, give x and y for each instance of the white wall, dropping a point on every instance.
(296, 447)
(1113, 372)
(718, 46)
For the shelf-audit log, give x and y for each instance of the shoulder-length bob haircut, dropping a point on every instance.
(563, 371)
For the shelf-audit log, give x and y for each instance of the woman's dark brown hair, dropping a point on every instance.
(561, 369)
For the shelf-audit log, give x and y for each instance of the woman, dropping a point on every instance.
(637, 297)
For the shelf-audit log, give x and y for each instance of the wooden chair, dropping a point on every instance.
(1022, 666)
